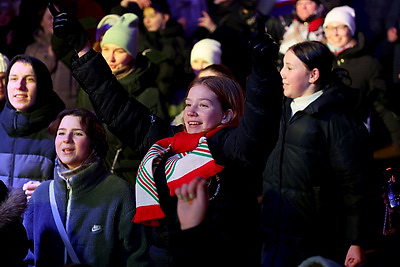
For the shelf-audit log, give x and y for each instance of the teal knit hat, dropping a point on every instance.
(124, 33)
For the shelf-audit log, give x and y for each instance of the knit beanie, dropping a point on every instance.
(207, 49)
(124, 33)
(4, 62)
(343, 14)
(106, 23)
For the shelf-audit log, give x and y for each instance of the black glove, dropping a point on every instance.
(68, 28)
(263, 50)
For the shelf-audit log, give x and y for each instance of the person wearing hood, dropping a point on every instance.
(316, 178)
(27, 151)
(366, 74)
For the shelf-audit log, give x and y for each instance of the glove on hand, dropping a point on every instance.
(263, 50)
(68, 28)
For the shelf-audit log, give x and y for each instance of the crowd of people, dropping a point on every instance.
(169, 133)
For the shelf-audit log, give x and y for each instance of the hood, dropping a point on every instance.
(12, 207)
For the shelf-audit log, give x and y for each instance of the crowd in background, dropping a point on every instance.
(144, 55)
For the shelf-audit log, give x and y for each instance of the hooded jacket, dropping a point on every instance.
(27, 150)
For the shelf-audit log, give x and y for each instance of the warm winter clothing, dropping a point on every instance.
(169, 52)
(27, 150)
(96, 209)
(367, 74)
(13, 240)
(139, 83)
(314, 182)
(232, 224)
(289, 29)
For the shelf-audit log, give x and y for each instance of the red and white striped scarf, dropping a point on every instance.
(191, 158)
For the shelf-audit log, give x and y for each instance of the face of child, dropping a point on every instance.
(22, 86)
(203, 111)
(72, 143)
(198, 64)
(296, 78)
(153, 20)
(117, 58)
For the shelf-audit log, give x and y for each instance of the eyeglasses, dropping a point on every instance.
(339, 28)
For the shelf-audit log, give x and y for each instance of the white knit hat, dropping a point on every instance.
(207, 49)
(3, 63)
(124, 33)
(343, 14)
(105, 23)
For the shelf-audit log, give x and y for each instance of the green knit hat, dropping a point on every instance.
(124, 33)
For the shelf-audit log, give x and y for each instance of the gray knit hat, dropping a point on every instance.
(124, 33)
(4, 62)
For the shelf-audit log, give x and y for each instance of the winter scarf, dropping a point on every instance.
(191, 158)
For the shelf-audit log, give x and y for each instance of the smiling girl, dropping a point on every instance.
(95, 206)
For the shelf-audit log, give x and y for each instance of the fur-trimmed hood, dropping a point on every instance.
(12, 207)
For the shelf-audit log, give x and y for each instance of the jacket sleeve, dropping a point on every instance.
(125, 117)
(351, 160)
(257, 133)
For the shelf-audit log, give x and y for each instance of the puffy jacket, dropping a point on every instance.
(27, 151)
(233, 221)
(315, 181)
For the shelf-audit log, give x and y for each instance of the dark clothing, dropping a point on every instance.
(232, 222)
(172, 55)
(314, 182)
(96, 209)
(121, 159)
(235, 24)
(13, 239)
(27, 150)
(366, 74)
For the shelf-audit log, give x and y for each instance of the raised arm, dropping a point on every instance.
(127, 118)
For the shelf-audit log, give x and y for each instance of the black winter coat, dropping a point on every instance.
(314, 182)
(232, 223)
(367, 74)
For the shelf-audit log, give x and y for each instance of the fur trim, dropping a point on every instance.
(12, 208)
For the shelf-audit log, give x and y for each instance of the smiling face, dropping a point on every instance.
(72, 143)
(203, 111)
(22, 86)
(296, 78)
(338, 34)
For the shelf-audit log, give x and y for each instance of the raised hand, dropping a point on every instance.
(68, 28)
(263, 50)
